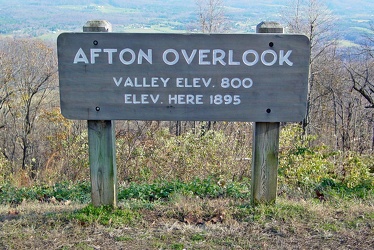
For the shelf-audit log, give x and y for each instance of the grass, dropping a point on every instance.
(200, 214)
(105, 215)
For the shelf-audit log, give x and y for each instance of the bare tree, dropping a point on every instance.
(362, 82)
(5, 78)
(211, 19)
(338, 88)
(315, 20)
(32, 69)
(211, 16)
(361, 69)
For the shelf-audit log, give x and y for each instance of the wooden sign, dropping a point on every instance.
(236, 77)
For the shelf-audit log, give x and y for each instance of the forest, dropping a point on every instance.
(39, 144)
(186, 184)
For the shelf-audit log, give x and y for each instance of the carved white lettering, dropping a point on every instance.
(130, 60)
(189, 58)
(94, 54)
(141, 98)
(263, 57)
(203, 54)
(142, 55)
(245, 57)
(165, 56)
(117, 82)
(80, 56)
(219, 56)
(186, 99)
(192, 83)
(110, 54)
(231, 58)
(128, 56)
(165, 81)
(283, 58)
(142, 82)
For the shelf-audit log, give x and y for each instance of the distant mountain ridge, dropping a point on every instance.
(44, 18)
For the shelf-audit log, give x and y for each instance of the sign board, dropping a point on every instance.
(231, 77)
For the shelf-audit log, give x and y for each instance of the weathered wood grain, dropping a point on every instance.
(101, 142)
(89, 90)
(265, 147)
(265, 162)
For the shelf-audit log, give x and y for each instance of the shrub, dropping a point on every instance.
(161, 155)
(308, 167)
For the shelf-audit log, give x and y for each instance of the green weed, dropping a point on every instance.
(207, 188)
(197, 237)
(78, 191)
(177, 246)
(106, 215)
(123, 238)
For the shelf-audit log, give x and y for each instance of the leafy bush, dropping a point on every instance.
(356, 170)
(313, 167)
(300, 164)
(160, 165)
(363, 190)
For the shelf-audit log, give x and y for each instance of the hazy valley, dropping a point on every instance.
(47, 19)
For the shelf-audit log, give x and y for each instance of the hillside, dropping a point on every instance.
(45, 18)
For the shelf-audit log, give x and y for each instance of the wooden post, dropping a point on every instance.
(101, 141)
(265, 147)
